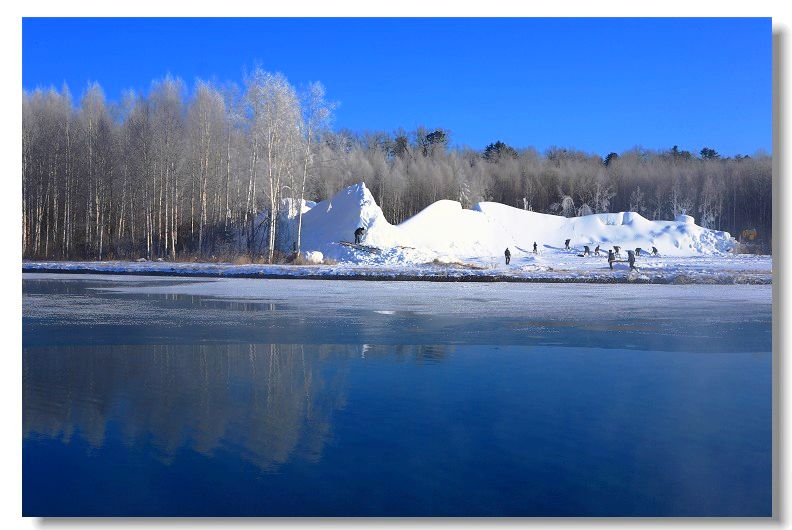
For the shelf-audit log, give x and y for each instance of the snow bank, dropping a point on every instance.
(446, 232)
(560, 267)
(332, 221)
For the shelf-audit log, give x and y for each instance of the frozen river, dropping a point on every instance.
(178, 396)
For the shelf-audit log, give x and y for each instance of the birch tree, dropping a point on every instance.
(315, 119)
(275, 127)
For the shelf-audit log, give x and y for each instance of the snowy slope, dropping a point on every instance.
(446, 232)
(629, 230)
(334, 220)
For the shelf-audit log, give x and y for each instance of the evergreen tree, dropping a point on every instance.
(494, 152)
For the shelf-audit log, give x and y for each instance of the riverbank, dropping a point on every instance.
(712, 269)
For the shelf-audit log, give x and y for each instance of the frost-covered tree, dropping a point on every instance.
(565, 206)
(207, 142)
(317, 113)
(275, 124)
(637, 201)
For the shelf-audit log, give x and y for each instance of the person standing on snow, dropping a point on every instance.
(359, 235)
(508, 256)
(596, 251)
(654, 251)
(567, 243)
(535, 251)
(631, 259)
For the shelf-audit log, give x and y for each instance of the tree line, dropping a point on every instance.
(214, 171)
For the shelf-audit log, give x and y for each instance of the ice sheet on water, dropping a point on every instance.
(142, 309)
(555, 300)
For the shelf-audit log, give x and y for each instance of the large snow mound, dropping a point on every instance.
(446, 232)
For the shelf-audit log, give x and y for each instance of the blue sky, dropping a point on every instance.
(599, 85)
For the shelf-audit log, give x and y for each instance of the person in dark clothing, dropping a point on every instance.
(535, 251)
(596, 250)
(586, 251)
(611, 258)
(631, 259)
(638, 251)
(567, 243)
(359, 235)
(508, 256)
(616, 249)
(654, 251)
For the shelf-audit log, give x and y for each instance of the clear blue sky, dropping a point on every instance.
(599, 85)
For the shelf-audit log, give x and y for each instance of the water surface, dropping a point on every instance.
(157, 396)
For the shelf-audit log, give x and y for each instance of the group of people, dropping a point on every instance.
(508, 252)
(613, 254)
(631, 255)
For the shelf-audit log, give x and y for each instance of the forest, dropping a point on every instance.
(202, 173)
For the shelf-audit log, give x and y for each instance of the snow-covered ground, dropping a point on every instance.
(551, 266)
(446, 242)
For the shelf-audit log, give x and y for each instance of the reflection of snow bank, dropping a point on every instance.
(446, 232)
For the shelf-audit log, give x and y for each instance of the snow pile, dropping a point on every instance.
(329, 222)
(313, 257)
(628, 230)
(447, 233)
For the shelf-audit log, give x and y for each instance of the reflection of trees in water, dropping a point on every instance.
(266, 402)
